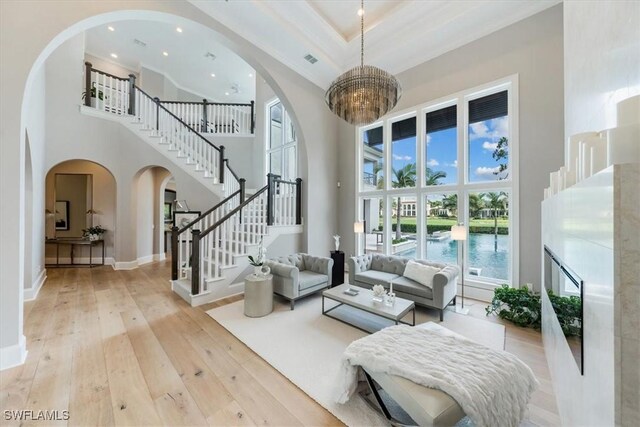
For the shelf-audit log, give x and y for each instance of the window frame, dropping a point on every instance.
(284, 145)
(462, 187)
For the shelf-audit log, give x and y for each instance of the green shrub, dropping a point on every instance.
(523, 307)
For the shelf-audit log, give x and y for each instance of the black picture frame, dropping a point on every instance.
(62, 215)
(182, 218)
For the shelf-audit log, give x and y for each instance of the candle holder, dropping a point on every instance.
(390, 299)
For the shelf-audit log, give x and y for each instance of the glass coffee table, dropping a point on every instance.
(364, 302)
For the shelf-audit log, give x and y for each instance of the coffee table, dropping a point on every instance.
(364, 302)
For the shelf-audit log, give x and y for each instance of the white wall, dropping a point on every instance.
(601, 61)
(531, 48)
(109, 66)
(144, 197)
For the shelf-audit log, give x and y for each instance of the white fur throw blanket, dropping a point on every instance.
(492, 387)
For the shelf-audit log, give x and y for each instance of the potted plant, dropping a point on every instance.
(95, 232)
(259, 269)
(94, 94)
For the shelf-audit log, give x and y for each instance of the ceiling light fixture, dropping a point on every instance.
(113, 55)
(165, 53)
(226, 93)
(360, 12)
(250, 74)
(213, 75)
(178, 29)
(110, 28)
(364, 93)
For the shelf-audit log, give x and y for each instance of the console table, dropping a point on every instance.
(72, 243)
(337, 274)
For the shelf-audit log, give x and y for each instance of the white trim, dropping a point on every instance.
(145, 259)
(97, 260)
(13, 355)
(125, 265)
(31, 293)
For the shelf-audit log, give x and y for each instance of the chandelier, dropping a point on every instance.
(364, 93)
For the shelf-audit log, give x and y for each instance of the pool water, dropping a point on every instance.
(486, 252)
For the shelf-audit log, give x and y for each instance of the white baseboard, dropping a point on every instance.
(159, 257)
(473, 292)
(13, 355)
(31, 293)
(81, 260)
(125, 265)
(145, 259)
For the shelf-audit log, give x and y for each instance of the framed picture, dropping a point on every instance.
(168, 211)
(62, 215)
(182, 219)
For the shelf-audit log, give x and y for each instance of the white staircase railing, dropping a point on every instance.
(213, 117)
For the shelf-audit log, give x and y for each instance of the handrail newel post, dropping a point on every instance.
(132, 94)
(222, 159)
(298, 201)
(253, 120)
(157, 114)
(270, 194)
(204, 126)
(195, 262)
(87, 83)
(174, 253)
(243, 183)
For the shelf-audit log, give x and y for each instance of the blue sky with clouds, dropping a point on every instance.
(441, 153)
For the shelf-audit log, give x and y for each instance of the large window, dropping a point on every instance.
(282, 156)
(441, 164)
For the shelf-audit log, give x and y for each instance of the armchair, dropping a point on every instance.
(298, 275)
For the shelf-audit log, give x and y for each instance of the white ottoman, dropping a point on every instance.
(258, 295)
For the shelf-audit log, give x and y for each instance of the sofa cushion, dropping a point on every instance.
(408, 286)
(420, 273)
(295, 260)
(374, 277)
(388, 264)
(308, 279)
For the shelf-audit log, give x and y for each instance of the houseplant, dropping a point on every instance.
(259, 269)
(95, 232)
(94, 94)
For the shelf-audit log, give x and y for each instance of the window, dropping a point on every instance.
(372, 159)
(447, 162)
(373, 217)
(282, 156)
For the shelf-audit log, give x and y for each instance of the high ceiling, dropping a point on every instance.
(186, 64)
(399, 34)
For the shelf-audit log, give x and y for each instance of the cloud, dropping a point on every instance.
(433, 162)
(406, 158)
(479, 130)
(486, 172)
(428, 139)
(490, 146)
(489, 129)
(452, 165)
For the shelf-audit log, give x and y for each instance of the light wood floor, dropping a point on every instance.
(118, 347)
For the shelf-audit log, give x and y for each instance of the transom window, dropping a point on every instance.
(439, 164)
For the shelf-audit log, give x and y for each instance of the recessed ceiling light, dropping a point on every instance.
(250, 74)
(110, 28)
(213, 75)
(226, 93)
(113, 55)
(178, 29)
(360, 12)
(165, 53)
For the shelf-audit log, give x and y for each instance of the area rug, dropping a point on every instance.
(306, 346)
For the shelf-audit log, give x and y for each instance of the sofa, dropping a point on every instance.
(298, 275)
(377, 269)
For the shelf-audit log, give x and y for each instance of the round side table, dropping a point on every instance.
(258, 295)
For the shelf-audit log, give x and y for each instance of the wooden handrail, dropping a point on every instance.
(188, 226)
(106, 74)
(230, 104)
(235, 175)
(233, 212)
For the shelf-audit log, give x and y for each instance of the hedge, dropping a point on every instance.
(411, 228)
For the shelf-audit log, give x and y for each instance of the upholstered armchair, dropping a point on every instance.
(296, 276)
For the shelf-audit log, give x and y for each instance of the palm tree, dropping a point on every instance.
(404, 177)
(475, 205)
(377, 168)
(450, 203)
(433, 178)
(495, 202)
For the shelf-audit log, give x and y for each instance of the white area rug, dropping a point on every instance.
(306, 346)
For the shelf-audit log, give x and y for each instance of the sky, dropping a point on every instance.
(441, 153)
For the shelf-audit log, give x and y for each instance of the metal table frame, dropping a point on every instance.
(411, 308)
(72, 243)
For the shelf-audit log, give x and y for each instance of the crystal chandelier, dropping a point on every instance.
(365, 93)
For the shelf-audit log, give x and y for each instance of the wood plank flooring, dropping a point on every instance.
(119, 348)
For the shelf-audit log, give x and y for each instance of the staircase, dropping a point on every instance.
(210, 253)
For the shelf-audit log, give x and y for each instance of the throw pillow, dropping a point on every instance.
(420, 273)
